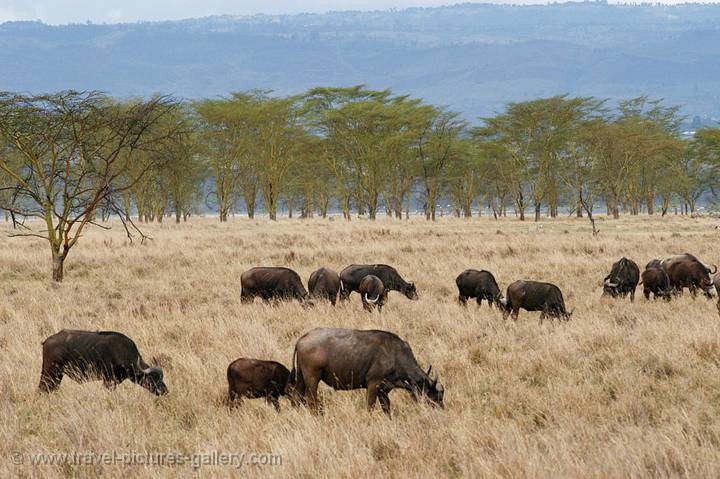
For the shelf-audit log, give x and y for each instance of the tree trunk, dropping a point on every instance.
(58, 267)
(372, 205)
(538, 205)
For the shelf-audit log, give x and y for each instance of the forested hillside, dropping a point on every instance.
(472, 57)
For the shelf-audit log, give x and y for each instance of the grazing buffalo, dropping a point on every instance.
(716, 283)
(324, 284)
(535, 296)
(691, 274)
(655, 281)
(254, 378)
(372, 292)
(104, 355)
(472, 283)
(352, 359)
(351, 276)
(623, 279)
(272, 283)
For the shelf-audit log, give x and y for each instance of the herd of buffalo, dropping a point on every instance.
(378, 361)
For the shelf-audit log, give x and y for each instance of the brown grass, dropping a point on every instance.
(621, 390)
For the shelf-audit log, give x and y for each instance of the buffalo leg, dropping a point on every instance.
(542, 317)
(515, 313)
(311, 387)
(110, 384)
(632, 295)
(479, 301)
(646, 293)
(274, 400)
(246, 297)
(373, 390)
(462, 300)
(50, 378)
(384, 401)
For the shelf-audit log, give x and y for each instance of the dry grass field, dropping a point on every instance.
(622, 390)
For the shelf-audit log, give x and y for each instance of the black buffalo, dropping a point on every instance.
(622, 280)
(472, 283)
(351, 276)
(655, 281)
(272, 283)
(255, 378)
(689, 274)
(346, 359)
(324, 284)
(104, 355)
(372, 293)
(716, 283)
(535, 296)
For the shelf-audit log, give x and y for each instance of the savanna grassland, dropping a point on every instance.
(622, 390)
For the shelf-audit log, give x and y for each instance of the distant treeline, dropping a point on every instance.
(362, 151)
(75, 158)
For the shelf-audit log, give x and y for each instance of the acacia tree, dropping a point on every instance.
(276, 133)
(75, 150)
(225, 150)
(438, 135)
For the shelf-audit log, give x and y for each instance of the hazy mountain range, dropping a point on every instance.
(472, 57)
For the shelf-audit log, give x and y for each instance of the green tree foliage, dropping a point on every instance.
(72, 154)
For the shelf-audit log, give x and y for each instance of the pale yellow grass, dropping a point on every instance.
(621, 390)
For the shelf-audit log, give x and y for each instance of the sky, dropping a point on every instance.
(120, 11)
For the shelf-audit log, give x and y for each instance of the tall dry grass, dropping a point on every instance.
(621, 390)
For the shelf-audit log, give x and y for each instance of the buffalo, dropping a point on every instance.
(104, 355)
(345, 359)
(480, 285)
(254, 378)
(324, 284)
(655, 281)
(622, 280)
(686, 271)
(716, 283)
(372, 293)
(351, 276)
(272, 283)
(535, 296)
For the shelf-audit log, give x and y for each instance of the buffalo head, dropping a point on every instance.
(610, 288)
(151, 378)
(410, 291)
(431, 390)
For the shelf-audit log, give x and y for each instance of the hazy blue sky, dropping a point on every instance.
(112, 11)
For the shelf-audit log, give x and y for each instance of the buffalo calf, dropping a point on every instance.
(254, 378)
